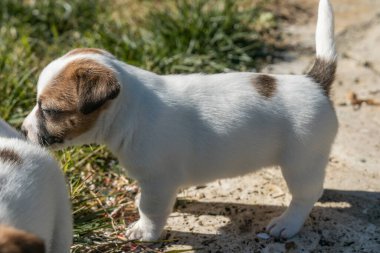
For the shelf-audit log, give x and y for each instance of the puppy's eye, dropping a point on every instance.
(50, 112)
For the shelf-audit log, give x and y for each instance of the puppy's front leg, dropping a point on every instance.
(155, 204)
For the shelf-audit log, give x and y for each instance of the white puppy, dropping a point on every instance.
(180, 130)
(35, 213)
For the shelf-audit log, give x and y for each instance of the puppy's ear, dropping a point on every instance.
(96, 85)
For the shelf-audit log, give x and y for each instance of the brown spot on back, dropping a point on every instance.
(10, 156)
(78, 95)
(17, 241)
(88, 51)
(323, 73)
(265, 85)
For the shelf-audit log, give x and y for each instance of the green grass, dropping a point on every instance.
(179, 37)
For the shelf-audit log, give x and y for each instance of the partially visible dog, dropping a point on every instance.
(35, 212)
(180, 130)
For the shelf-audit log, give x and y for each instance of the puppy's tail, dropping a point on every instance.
(323, 70)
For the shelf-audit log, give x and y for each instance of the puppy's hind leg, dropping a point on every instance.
(304, 174)
(155, 204)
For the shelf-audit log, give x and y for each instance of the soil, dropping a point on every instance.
(229, 215)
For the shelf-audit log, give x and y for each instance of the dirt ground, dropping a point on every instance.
(227, 215)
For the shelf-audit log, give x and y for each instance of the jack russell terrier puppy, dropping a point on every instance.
(35, 212)
(180, 130)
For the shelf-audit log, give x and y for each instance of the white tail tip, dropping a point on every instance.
(325, 43)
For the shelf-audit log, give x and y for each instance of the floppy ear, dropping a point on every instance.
(96, 85)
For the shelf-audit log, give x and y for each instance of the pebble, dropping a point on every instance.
(263, 236)
(201, 196)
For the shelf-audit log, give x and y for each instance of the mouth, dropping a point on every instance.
(48, 141)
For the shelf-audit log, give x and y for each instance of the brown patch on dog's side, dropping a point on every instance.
(88, 51)
(265, 85)
(76, 97)
(10, 156)
(323, 73)
(16, 241)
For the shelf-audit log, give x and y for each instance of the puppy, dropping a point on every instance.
(180, 130)
(35, 213)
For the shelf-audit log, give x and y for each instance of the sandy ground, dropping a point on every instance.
(227, 215)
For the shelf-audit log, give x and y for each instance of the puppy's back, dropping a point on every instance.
(7, 131)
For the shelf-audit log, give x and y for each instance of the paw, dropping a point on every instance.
(284, 226)
(140, 231)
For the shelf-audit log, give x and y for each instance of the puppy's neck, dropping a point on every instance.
(121, 123)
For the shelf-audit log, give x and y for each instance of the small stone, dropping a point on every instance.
(201, 196)
(367, 64)
(263, 236)
(290, 245)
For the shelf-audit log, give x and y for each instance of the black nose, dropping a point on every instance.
(24, 131)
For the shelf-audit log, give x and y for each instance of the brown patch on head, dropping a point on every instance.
(265, 85)
(71, 104)
(10, 156)
(88, 51)
(16, 241)
(323, 73)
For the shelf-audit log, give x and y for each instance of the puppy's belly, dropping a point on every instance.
(230, 157)
(224, 168)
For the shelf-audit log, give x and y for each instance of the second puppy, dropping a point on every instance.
(35, 212)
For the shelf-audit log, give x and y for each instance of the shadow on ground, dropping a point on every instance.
(352, 223)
